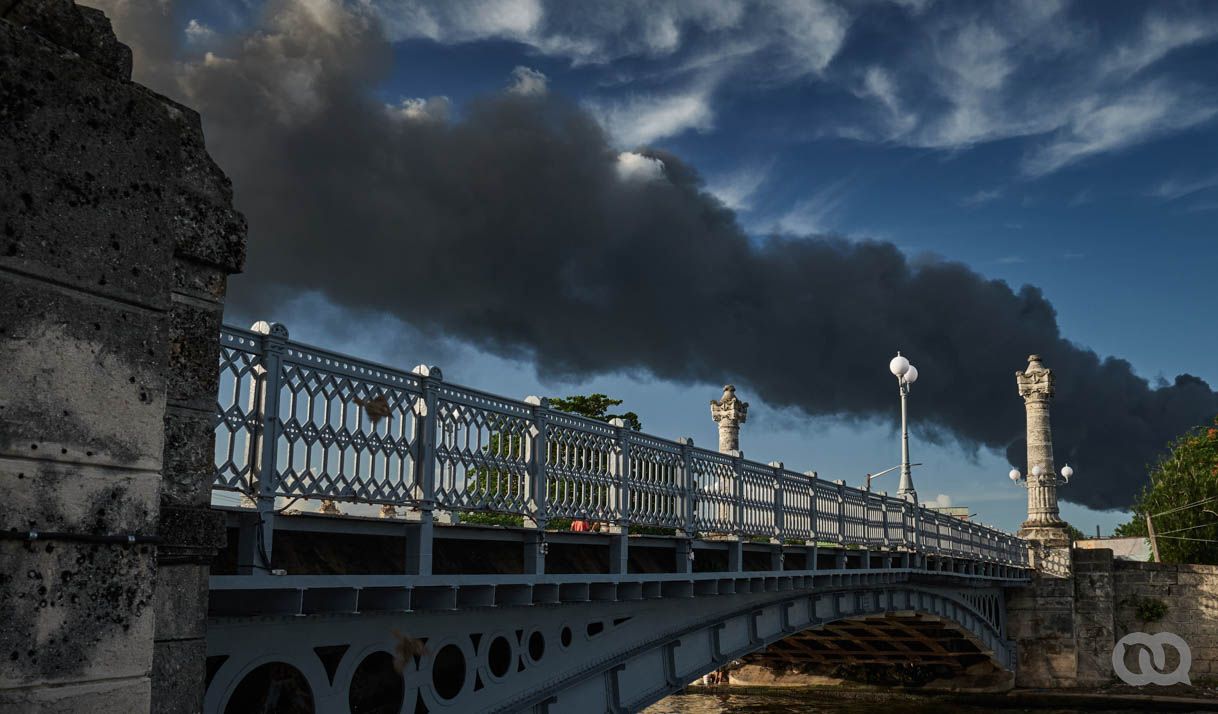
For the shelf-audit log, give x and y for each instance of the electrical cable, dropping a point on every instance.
(109, 539)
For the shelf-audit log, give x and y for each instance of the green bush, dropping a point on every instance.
(1149, 609)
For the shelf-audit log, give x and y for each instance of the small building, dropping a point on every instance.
(1122, 548)
(960, 512)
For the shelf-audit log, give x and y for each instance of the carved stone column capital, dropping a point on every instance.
(729, 413)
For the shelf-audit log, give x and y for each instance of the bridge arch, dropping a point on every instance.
(620, 652)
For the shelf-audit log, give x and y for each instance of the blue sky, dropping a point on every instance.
(1072, 146)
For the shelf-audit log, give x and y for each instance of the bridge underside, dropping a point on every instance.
(616, 648)
(895, 647)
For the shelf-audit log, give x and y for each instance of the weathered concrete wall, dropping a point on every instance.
(1066, 628)
(1190, 593)
(117, 236)
(1040, 619)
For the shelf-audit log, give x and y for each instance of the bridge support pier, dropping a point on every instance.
(251, 545)
(419, 538)
(735, 555)
(776, 556)
(535, 548)
(685, 555)
(619, 551)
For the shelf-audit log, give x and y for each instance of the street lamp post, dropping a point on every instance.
(906, 375)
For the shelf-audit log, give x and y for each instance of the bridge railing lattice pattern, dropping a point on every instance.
(296, 421)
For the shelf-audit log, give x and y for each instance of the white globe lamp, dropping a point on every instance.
(898, 366)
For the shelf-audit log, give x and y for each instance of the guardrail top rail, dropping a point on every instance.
(296, 421)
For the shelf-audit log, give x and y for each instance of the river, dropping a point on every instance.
(784, 701)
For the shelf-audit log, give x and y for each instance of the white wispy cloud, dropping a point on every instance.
(640, 120)
(419, 109)
(528, 82)
(1090, 97)
(198, 33)
(1176, 188)
(637, 167)
(736, 189)
(959, 76)
(1099, 126)
(981, 196)
(816, 213)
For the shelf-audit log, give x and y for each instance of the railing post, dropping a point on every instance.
(685, 552)
(535, 546)
(814, 522)
(841, 523)
(776, 555)
(420, 535)
(884, 517)
(619, 540)
(735, 540)
(256, 538)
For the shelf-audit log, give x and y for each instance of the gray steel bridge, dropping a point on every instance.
(707, 557)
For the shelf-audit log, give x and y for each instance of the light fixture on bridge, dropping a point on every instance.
(1040, 475)
(906, 375)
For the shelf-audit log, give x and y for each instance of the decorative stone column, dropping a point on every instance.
(1044, 522)
(729, 413)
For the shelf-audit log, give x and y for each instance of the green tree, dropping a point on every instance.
(595, 406)
(487, 481)
(1182, 500)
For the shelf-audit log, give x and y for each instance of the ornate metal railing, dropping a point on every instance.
(296, 421)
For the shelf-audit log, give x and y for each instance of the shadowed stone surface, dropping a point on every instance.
(1066, 627)
(117, 233)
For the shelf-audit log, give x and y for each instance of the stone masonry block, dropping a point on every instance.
(199, 280)
(189, 457)
(83, 30)
(177, 663)
(194, 352)
(83, 380)
(108, 697)
(75, 611)
(181, 601)
(80, 201)
(50, 496)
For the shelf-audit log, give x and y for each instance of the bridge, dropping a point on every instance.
(450, 580)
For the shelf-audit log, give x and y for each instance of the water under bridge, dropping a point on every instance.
(440, 573)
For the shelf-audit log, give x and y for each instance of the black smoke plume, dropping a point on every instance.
(513, 226)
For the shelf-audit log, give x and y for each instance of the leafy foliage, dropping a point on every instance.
(1149, 609)
(595, 406)
(1186, 524)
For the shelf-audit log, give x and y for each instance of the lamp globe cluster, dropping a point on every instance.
(903, 370)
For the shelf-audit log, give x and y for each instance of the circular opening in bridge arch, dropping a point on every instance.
(537, 646)
(565, 637)
(499, 657)
(272, 688)
(376, 688)
(448, 672)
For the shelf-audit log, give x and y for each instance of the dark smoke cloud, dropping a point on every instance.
(513, 227)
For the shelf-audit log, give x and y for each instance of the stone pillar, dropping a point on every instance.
(729, 413)
(118, 237)
(1044, 523)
